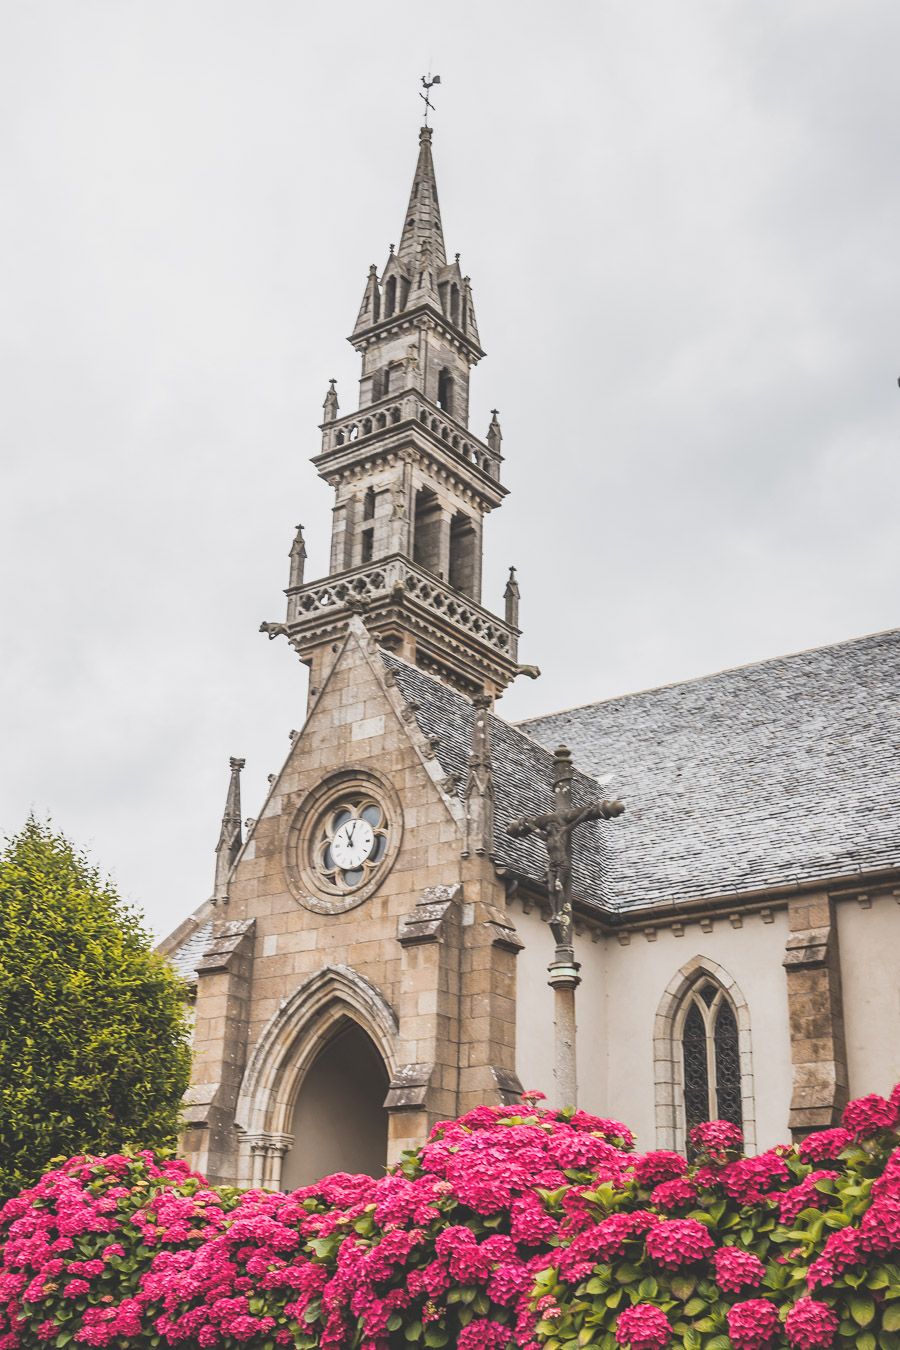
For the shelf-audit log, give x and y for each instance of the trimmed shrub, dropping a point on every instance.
(94, 1053)
(512, 1226)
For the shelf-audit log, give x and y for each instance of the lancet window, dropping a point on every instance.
(702, 1055)
(711, 1057)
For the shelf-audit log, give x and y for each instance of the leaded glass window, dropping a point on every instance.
(712, 1062)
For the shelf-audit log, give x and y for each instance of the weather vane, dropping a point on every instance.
(428, 83)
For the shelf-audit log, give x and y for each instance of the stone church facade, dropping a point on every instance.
(374, 955)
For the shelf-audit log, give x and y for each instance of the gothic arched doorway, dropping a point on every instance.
(339, 1123)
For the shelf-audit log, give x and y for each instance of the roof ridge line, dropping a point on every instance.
(711, 675)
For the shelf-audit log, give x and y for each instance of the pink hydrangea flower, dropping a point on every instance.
(842, 1250)
(749, 1180)
(753, 1324)
(674, 1195)
(673, 1243)
(880, 1228)
(650, 1169)
(824, 1145)
(810, 1325)
(805, 1195)
(613, 1131)
(735, 1269)
(717, 1138)
(483, 1334)
(867, 1115)
(643, 1327)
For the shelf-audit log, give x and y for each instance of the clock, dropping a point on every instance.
(352, 843)
(343, 840)
(352, 839)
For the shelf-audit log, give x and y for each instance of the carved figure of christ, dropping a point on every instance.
(554, 829)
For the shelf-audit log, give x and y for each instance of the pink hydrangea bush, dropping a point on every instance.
(511, 1227)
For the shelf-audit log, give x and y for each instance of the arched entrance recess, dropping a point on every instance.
(334, 1026)
(339, 1122)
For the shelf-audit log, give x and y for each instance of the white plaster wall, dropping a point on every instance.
(636, 981)
(869, 941)
(534, 1013)
(617, 1003)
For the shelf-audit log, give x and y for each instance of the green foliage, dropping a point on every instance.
(94, 1054)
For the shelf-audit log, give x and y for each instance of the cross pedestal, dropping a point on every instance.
(564, 980)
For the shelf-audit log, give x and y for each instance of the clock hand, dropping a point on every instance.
(350, 829)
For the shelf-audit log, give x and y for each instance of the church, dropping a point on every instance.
(374, 955)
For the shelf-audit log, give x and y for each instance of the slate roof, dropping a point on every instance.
(523, 774)
(186, 958)
(754, 778)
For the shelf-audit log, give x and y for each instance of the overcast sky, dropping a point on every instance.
(681, 220)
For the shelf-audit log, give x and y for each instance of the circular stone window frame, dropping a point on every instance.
(303, 880)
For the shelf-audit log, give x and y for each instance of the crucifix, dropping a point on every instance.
(554, 828)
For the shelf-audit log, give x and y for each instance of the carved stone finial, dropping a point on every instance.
(511, 597)
(330, 404)
(298, 558)
(478, 794)
(230, 838)
(494, 436)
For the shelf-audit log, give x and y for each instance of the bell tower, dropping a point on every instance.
(412, 484)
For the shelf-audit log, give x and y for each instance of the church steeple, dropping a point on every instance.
(417, 273)
(412, 483)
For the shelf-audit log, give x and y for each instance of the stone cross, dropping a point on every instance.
(555, 829)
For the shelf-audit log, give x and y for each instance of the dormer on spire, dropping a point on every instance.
(230, 837)
(370, 309)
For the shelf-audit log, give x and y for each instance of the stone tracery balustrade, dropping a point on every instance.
(409, 408)
(379, 580)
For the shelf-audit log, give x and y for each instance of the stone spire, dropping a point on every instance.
(230, 837)
(479, 789)
(423, 233)
(298, 558)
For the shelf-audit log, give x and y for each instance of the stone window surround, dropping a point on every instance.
(668, 1067)
(303, 880)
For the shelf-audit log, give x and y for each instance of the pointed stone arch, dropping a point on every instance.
(668, 1066)
(287, 1049)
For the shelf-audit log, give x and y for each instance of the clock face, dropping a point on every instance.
(352, 843)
